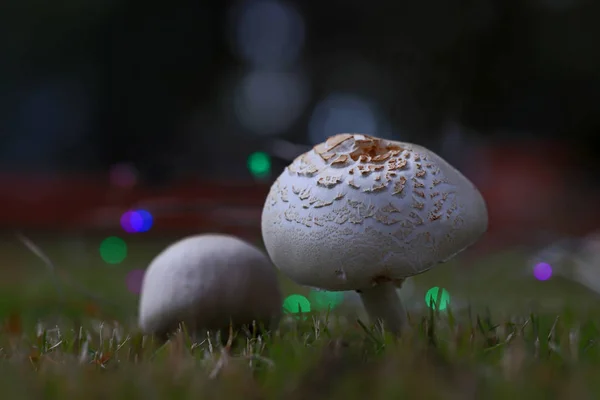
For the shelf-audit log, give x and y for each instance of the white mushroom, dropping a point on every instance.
(207, 281)
(363, 213)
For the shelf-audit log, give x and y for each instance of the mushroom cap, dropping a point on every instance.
(357, 210)
(207, 281)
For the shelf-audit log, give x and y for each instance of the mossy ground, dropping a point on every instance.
(505, 335)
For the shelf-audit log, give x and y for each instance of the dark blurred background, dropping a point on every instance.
(154, 93)
(190, 109)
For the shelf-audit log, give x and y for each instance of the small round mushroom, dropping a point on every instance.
(362, 213)
(208, 282)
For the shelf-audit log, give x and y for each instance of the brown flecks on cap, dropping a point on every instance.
(307, 221)
(389, 208)
(433, 217)
(434, 194)
(296, 190)
(419, 193)
(289, 214)
(320, 148)
(334, 141)
(382, 157)
(363, 158)
(364, 169)
(351, 171)
(352, 184)
(399, 185)
(375, 188)
(378, 178)
(327, 156)
(322, 203)
(417, 157)
(318, 222)
(418, 205)
(329, 181)
(309, 171)
(356, 220)
(341, 160)
(385, 219)
(417, 184)
(378, 167)
(339, 196)
(283, 194)
(436, 182)
(341, 218)
(396, 163)
(365, 139)
(362, 148)
(420, 174)
(416, 217)
(305, 206)
(379, 187)
(304, 194)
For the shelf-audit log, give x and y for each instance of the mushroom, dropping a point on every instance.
(208, 281)
(362, 213)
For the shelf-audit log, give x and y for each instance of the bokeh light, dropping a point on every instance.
(113, 250)
(325, 300)
(437, 298)
(542, 271)
(129, 219)
(134, 280)
(344, 113)
(268, 33)
(135, 221)
(268, 103)
(146, 221)
(259, 164)
(296, 303)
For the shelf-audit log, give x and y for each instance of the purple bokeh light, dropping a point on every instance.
(135, 221)
(145, 221)
(131, 221)
(542, 271)
(134, 279)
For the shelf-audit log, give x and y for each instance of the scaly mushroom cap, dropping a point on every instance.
(358, 210)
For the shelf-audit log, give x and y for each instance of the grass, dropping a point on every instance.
(505, 336)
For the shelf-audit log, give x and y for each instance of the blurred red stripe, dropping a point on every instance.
(528, 186)
(84, 202)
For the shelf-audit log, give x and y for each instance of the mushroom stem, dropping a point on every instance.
(383, 303)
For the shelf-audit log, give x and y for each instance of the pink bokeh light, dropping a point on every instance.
(131, 221)
(542, 271)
